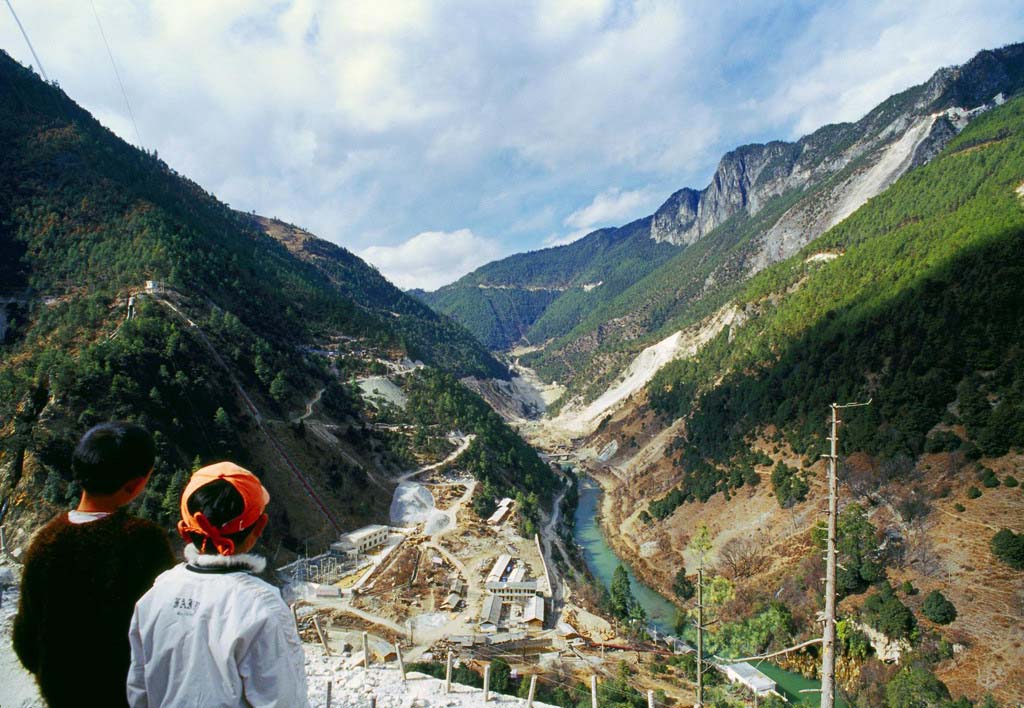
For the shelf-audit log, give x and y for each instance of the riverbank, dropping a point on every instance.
(602, 557)
(613, 522)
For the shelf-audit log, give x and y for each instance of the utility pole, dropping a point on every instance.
(828, 639)
(700, 638)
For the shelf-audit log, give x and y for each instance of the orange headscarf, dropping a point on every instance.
(254, 497)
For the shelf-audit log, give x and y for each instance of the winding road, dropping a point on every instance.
(309, 406)
(464, 444)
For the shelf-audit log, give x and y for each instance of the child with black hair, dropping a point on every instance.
(85, 569)
(210, 633)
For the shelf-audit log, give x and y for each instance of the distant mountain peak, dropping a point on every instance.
(749, 176)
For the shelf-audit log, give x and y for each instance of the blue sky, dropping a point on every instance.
(432, 137)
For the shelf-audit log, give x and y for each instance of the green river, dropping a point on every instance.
(602, 561)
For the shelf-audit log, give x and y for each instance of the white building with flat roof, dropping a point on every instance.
(749, 676)
(513, 591)
(362, 540)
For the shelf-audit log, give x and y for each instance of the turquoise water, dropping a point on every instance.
(790, 685)
(602, 561)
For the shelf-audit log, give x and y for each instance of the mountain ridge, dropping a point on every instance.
(763, 203)
(130, 292)
(902, 132)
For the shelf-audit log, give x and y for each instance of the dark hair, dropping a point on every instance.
(220, 502)
(111, 454)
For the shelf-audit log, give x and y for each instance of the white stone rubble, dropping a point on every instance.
(353, 688)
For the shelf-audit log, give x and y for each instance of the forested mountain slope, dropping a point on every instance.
(764, 203)
(531, 297)
(250, 326)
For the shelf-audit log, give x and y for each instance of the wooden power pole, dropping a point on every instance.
(828, 639)
(700, 638)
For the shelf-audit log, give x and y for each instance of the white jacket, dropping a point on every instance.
(209, 634)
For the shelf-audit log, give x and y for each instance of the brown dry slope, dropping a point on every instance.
(988, 595)
(945, 550)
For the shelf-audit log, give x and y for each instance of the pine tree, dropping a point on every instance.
(279, 387)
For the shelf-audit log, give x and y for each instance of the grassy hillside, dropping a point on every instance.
(89, 211)
(498, 316)
(700, 278)
(920, 311)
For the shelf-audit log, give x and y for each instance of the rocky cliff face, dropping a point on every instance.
(899, 134)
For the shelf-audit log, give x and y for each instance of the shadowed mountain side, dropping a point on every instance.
(923, 307)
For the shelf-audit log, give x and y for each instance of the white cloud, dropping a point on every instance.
(433, 258)
(558, 19)
(876, 52)
(612, 207)
(365, 121)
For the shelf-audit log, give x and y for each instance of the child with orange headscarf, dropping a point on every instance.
(210, 632)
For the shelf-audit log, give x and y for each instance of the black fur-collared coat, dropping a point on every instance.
(79, 587)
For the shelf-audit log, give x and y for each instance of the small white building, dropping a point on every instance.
(750, 677)
(513, 591)
(361, 540)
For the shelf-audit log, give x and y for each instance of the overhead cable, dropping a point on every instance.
(117, 74)
(27, 41)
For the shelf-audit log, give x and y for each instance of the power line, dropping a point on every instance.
(117, 74)
(27, 41)
(762, 657)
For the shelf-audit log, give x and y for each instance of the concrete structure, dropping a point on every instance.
(545, 582)
(513, 591)
(507, 579)
(361, 540)
(750, 677)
